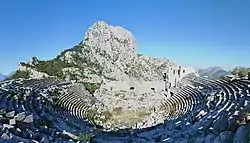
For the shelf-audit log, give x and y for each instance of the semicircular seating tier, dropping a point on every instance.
(27, 113)
(49, 110)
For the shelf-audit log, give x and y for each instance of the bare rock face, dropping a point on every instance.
(112, 49)
(33, 73)
(115, 42)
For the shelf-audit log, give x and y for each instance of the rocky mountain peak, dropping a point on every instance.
(113, 41)
(214, 72)
(214, 68)
(106, 53)
(112, 52)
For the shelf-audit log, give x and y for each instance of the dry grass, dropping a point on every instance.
(129, 117)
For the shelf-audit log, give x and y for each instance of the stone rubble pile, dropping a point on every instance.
(128, 100)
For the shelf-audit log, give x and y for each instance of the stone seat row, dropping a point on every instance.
(180, 103)
(226, 105)
(24, 114)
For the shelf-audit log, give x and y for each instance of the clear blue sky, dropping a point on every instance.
(197, 33)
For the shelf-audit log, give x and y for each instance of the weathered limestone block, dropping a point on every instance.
(10, 114)
(20, 116)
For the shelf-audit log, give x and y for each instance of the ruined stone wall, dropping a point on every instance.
(175, 74)
(139, 87)
(172, 77)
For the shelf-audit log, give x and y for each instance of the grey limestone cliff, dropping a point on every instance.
(106, 53)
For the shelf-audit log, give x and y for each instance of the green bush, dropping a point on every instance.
(91, 115)
(241, 72)
(94, 117)
(91, 87)
(15, 97)
(19, 74)
(77, 48)
(85, 137)
(53, 67)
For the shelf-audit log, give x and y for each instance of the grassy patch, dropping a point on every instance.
(129, 117)
(117, 110)
(142, 114)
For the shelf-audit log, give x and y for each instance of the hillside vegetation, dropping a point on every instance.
(241, 71)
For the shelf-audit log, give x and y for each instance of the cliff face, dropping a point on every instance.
(106, 53)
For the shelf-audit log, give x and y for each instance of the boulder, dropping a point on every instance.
(5, 136)
(20, 116)
(10, 114)
(12, 122)
(242, 135)
(28, 119)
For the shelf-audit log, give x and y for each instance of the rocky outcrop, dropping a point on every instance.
(33, 73)
(106, 53)
(117, 43)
